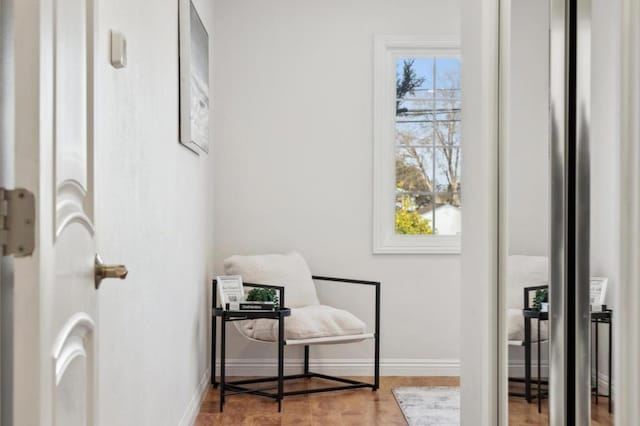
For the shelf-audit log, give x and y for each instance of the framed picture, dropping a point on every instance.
(230, 289)
(598, 290)
(194, 79)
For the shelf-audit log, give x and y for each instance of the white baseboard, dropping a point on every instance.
(345, 367)
(516, 369)
(603, 384)
(190, 414)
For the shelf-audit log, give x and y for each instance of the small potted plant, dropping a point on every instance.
(263, 295)
(541, 300)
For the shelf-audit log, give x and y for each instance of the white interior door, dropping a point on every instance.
(71, 306)
(53, 350)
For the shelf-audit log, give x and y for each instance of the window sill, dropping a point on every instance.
(417, 244)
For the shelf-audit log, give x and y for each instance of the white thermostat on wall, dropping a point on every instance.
(118, 50)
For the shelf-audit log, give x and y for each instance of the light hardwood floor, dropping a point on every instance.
(357, 407)
(521, 413)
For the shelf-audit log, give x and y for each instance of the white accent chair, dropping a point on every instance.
(310, 322)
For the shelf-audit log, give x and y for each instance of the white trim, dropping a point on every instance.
(516, 368)
(386, 49)
(479, 390)
(627, 357)
(191, 412)
(505, 368)
(345, 367)
(7, 164)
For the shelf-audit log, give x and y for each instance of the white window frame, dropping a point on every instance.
(387, 49)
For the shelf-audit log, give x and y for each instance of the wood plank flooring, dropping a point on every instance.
(360, 407)
(523, 414)
(356, 407)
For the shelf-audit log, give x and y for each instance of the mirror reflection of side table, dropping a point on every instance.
(597, 318)
(531, 314)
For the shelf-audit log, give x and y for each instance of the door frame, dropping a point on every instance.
(24, 147)
(484, 399)
(6, 180)
(480, 232)
(627, 386)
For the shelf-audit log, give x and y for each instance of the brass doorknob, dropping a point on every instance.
(103, 271)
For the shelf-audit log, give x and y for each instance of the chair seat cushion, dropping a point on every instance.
(516, 327)
(308, 322)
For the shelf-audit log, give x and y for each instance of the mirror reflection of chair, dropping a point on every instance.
(310, 323)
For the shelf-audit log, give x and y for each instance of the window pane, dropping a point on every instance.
(448, 73)
(421, 67)
(427, 146)
(447, 129)
(448, 166)
(413, 134)
(447, 214)
(448, 101)
(414, 80)
(414, 213)
(414, 169)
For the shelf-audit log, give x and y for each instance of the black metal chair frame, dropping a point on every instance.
(239, 386)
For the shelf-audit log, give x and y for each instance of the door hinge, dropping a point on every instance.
(17, 222)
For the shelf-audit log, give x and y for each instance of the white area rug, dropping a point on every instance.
(429, 406)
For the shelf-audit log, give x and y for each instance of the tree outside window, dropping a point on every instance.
(427, 146)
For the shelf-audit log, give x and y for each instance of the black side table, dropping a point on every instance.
(528, 315)
(598, 318)
(236, 387)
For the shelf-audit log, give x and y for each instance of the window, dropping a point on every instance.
(417, 154)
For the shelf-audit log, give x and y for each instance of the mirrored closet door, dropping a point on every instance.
(559, 192)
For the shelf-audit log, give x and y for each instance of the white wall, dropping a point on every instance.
(605, 143)
(528, 170)
(605, 154)
(293, 163)
(528, 156)
(154, 214)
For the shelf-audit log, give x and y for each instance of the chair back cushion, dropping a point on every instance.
(525, 271)
(287, 270)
